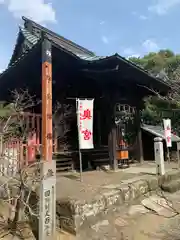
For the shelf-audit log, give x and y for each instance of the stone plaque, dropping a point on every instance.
(47, 220)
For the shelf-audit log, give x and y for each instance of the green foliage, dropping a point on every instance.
(155, 62)
(166, 64)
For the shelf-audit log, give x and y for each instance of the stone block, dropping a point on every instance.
(171, 186)
(169, 176)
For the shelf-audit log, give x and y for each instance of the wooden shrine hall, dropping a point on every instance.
(116, 84)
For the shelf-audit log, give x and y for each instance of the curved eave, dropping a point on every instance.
(116, 63)
(160, 81)
(19, 40)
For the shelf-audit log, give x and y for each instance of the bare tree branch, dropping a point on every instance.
(14, 127)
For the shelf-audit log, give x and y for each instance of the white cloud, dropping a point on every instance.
(102, 22)
(145, 47)
(150, 45)
(137, 55)
(36, 10)
(162, 7)
(140, 16)
(143, 17)
(105, 39)
(129, 52)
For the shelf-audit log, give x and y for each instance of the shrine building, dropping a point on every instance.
(117, 86)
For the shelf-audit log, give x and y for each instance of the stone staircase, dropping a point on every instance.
(64, 162)
(99, 157)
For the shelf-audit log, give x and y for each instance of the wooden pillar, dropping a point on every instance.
(112, 139)
(140, 154)
(38, 119)
(46, 101)
(99, 127)
(33, 121)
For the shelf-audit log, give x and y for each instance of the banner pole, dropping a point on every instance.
(80, 153)
(80, 162)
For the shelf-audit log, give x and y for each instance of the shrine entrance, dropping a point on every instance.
(126, 131)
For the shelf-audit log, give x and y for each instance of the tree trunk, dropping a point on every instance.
(19, 209)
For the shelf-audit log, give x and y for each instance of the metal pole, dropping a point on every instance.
(80, 162)
(47, 220)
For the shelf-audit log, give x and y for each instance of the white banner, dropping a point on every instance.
(167, 132)
(85, 123)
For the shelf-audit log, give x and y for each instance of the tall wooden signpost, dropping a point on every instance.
(47, 220)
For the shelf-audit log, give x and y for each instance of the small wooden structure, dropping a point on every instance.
(78, 73)
(149, 132)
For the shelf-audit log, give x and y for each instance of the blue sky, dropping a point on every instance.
(130, 27)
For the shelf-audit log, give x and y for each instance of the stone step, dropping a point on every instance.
(103, 153)
(172, 186)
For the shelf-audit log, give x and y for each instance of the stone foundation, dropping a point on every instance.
(75, 215)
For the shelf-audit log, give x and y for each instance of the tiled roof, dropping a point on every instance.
(28, 36)
(34, 39)
(90, 58)
(158, 131)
